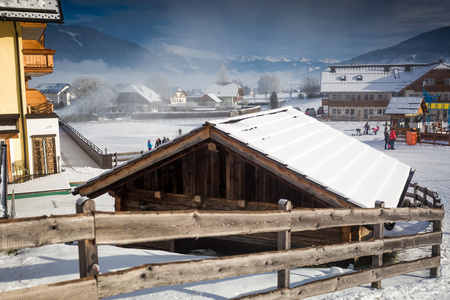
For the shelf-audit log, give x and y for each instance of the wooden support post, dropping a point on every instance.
(87, 249)
(436, 250)
(377, 260)
(284, 243)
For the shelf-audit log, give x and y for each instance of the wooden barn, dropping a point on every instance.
(250, 162)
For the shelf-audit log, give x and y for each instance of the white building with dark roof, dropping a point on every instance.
(137, 98)
(229, 94)
(57, 93)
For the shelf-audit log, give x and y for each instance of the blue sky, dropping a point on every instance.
(308, 28)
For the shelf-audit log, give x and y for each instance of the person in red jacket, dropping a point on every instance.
(392, 138)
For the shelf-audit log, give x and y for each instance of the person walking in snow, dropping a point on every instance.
(386, 136)
(392, 138)
(366, 128)
(149, 145)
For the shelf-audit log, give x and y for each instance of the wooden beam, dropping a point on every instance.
(87, 250)
(377, 260)
(154, 275)
(342, 282)
(182, 202)
(39, 231)
(284, 243)
(85, 288)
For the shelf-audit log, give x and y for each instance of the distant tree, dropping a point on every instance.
(92, 97)
(291, 90)
(247, 90)
(85, 85)
(263, 84)
(310, 86)
(274, 83)
(274, 100)
(223, 76)
(268, 83)
(158, 83)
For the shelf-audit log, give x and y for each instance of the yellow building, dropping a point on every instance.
(28, 125)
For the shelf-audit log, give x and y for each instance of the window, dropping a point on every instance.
(371, 97)
(447, 81)
(347, 111)
(429, 81)
(352, 97)
(352, 112)
(333, 111)
(347, 97)
(359, 77)
(366, 97)
(343, 78)
(333, 97)
(380, 97)
(338, 111)
(370, 111)
(446, 96)
(379, 111)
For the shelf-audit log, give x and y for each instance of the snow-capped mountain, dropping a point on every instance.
(79, 43)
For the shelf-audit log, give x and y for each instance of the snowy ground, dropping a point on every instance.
(55, 263)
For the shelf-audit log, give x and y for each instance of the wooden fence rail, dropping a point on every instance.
(131, 227)
(417, 196)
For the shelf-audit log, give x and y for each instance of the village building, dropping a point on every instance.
(252, 161)
(407, 112)
(28, 125)
(209, 100)
(434, 87)
(178, 96)
(229, 94)
(57, 93)
(363, 92)
(137, 98)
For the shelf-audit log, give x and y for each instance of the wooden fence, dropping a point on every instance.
(417, 196)
(99, 228)
(434, 138)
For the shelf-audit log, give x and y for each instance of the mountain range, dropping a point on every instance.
(80, 43)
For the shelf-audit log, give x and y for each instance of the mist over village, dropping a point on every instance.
(241, 149)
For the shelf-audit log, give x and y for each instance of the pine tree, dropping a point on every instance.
(274, 101)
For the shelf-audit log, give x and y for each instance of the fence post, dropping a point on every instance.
(284, 243)
(377, 260)
(87, 250)
(436, 250)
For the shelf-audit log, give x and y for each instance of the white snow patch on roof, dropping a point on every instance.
(371, 79)
(323, 154)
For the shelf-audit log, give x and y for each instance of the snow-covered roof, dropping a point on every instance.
(214, 98)
(372, 78)
(322, 154)
(229, 90)
(311, 150)
(31, 10)
(404, 105)
(51, 88)
(145, 92)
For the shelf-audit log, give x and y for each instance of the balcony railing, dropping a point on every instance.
(38, 62)
(44, 108)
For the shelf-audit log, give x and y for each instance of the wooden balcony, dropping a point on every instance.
(37, 103)
(38, 62)
(357, 103)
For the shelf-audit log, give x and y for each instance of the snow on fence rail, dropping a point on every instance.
(95, 228)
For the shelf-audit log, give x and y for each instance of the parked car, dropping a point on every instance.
(320, 111)
(311, 112)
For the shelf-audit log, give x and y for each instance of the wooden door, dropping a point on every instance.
(44, 155)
